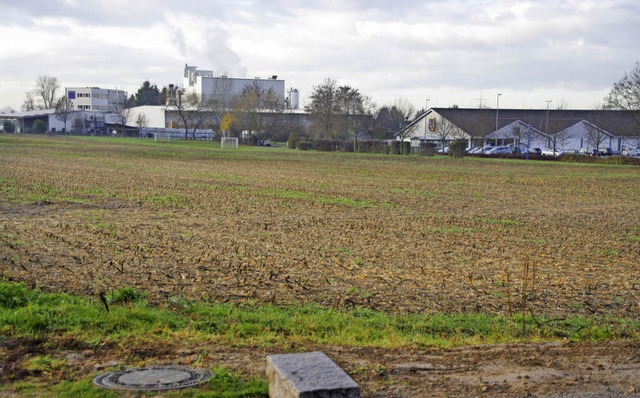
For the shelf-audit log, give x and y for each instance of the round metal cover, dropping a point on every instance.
(153, 378)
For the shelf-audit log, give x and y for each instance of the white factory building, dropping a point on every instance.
(208, 86)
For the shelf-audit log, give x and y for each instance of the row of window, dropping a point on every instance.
(84, 106)
(84, 95)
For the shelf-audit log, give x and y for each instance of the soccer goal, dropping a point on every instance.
(162, 136)
(228, 142)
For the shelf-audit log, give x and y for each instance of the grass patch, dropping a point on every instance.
(223, 384)
(504, 223)
(25, 312)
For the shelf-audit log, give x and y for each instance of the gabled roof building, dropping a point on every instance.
(566, 129)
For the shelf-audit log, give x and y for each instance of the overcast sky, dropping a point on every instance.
(450, 52)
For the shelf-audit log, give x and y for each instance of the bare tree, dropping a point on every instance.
(444, 130)
(553, 128)
(354, 112)
(595, 136)
(221, 99)
(324, 108)
(29, 103)
(259, 111)
(400, 113)
(46, 89)
(625, 94)
(193, 112)
(119, 107)
(362, 124)
(383, 126)
(64, 110)
(142, 121)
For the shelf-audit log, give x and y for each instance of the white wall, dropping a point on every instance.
(156, 115)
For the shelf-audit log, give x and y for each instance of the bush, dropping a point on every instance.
(406, 148)
(377, 146)
(291, 142)
(395, 147)
(427, 148)
(9, 127)
(457, 148)
(346, 146)
(326, 145)
(304, 146)
(39, 127)
(622, 160)
(371, 146)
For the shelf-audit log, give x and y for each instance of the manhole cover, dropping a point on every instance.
(153, 378)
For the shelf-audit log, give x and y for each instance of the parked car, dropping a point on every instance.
(631, 151)
(549, 152)
(568, 152)
(486, 148)
(475, 149)
(535, 151)
(499, 150)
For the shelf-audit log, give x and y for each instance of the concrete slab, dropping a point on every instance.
(308, 375)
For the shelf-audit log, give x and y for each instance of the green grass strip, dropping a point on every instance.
(32, 313)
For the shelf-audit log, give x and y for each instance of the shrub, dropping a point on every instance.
(406, 148)
(304, 146)
(457, 147)
(427, 148)
(346, 146)
(39, 127)
(395, 147)
(325, 145)
(377, 146)
(291, 142)
(9, 127)
(622, 160)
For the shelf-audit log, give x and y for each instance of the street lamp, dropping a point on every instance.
(497, 110)
(426, 108)
(547, 124)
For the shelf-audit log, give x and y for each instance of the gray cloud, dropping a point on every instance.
(385, 48)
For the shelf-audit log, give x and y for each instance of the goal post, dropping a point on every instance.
(229, 142)
(162, 136)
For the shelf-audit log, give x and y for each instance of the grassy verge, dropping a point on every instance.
(26, 313)
(33, 313)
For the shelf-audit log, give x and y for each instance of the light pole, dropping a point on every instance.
(528, 140)
(546, 126)
(497, 110)
(426, 108)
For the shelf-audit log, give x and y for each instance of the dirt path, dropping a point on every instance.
(610, 369)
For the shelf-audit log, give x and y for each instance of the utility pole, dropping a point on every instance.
(426, 108)
(497, 110)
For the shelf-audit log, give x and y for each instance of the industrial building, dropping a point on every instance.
(96, 99)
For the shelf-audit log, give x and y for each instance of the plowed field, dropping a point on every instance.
(405, 234)
(393, 233)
